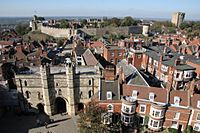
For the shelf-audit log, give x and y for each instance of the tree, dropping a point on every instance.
(22, 29)
(90, 120)
(128, 21)
(64, 24)
(83, 22)
(184, 25)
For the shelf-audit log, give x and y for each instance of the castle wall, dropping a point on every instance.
(58, 32)
(114, 30)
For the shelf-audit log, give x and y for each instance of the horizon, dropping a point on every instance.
(112, 8)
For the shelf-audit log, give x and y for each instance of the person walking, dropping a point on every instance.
(46, 124)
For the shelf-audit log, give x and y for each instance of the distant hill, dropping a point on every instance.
(14, 20)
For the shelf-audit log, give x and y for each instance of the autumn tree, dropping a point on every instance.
(90, 119)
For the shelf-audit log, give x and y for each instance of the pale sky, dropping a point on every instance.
(117, 8)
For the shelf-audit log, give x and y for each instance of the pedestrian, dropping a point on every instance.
(38, 122)
(46, 124)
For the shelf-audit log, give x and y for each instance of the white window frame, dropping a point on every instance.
(144, 109)
(196, 125)
(164, 68)
(150, 60)
(155, 63)
(151, 96)
(176, 115)
(134, 94)
(112, 54)
(112, 107)
(198, 104)
(109, 95)
(177, 100)
(198, 114)
(111, 60)
(174, 126)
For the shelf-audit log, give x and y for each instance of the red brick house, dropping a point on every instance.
(178, 113)
(113, 53)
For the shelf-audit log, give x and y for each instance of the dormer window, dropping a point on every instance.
(151, 96)
(109, 95)
(198, 104)
(177, 100)
(110, 108)
(134, 94)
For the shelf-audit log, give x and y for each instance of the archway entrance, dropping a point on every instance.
(40, 107)
(80, 106)
(60, 105)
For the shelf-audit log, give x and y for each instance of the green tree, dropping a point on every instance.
(83, 22)
(22, 29)
(128, 21)
(64, 24)
(90, 119)
(184, 25)
(171, 30)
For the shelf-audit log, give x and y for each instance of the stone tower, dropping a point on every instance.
(48, 90)
(70, 72)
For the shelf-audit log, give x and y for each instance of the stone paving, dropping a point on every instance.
(11, 123)
(60, 124)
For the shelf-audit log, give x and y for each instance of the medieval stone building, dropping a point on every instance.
(58, 89)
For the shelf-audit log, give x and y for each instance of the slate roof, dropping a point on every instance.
(169, 59)
(132, 75)
(143, 92)
(89, 58)
(103, 61)
(112, 86)
(79, 50)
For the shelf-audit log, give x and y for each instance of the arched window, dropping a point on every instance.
(57, 84)
(90, 94)
(59, 92)
(39, 95)
(90, 82)
(25, 83)
(81, 94)
(27, 94)
(110, 108)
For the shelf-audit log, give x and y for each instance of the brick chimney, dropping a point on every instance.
(177, 61)
(161, 58)
(18, 48)
(109, 73)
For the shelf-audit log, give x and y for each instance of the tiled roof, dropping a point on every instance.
(6, 42)
(194, 99)
(183, 97)
(89, 58)
(112, 86)
(143, 92)
(97, 44)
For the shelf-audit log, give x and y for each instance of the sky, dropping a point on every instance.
(112, 8)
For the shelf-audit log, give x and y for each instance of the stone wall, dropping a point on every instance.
(84, 86)
(58, 32)
(113, 30)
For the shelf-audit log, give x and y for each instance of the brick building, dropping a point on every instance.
(113, 53)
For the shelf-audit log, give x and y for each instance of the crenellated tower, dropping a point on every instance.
(48, 89)
(70, 73)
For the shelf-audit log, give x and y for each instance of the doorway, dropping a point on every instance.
(40, 107)
(60, 105)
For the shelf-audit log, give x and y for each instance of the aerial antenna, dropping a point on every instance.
(35, 12)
